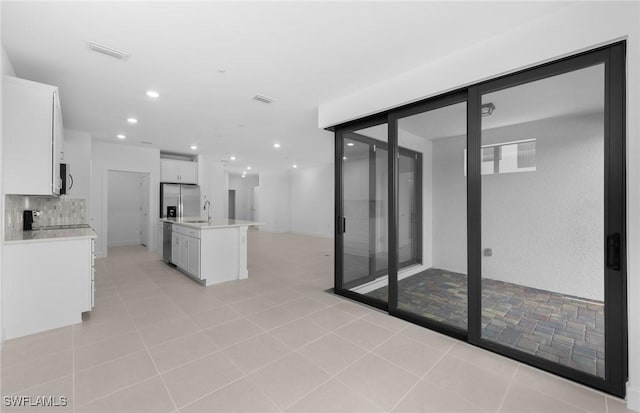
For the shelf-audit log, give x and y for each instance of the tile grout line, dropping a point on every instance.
(404, 396)
(219, 350)
(150, 356)
(292, 351)
(334, 376)
(511, 381)
(243, 376)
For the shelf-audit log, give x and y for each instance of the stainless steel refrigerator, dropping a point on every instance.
(184, 199)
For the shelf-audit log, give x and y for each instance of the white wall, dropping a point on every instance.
(449, 204)
(244, 188)
(275, 201)
(77, 153)
(123, 209)
(214, 181)
(107, 156)
(560, 207)
(577, 27)
(312, 193)
(6, 69)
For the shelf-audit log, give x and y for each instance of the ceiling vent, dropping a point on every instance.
(262, 98)
(109, 51)
(146, 143)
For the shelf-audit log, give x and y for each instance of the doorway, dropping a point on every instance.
(521, 221)
(127, 208)
(232, 204)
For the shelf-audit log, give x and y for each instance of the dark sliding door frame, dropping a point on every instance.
(348, 132)
(416, 258)
(394, 117)
(614, 270)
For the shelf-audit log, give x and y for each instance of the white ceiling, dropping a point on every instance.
(569, 94)
(299, 53)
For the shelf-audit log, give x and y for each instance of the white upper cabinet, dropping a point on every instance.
(33, 138)
(182, 172)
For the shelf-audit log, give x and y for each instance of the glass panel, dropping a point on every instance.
(432, 243)
(365, 194)
(543, 219)
(407, 209)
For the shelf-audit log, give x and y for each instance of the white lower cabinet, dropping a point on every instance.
(185, 252)
(193, 256)
(46, 285)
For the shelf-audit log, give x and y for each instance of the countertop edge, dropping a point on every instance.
(204, 225)
(52, 238)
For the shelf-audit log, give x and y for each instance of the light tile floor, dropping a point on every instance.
(158, 342)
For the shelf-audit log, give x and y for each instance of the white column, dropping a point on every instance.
(242, 259)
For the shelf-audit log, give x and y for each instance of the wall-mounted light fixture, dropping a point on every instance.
(487, 109)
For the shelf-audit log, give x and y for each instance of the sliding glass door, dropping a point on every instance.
(496, 214)
(433, 291)
(363, 220)
(543, 218)
(548, 263)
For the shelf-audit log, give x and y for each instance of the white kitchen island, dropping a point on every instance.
(213, 251)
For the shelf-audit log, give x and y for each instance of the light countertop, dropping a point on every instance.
(48, 235)
(214, 223)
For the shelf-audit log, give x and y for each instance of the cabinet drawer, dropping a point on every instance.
(190, 232)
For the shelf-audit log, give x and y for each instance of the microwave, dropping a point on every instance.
(66, 179)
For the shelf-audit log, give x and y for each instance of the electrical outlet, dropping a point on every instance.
(488, 252)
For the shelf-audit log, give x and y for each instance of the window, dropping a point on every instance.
(507, 157)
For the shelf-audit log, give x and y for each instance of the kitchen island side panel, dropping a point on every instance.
(220, 254)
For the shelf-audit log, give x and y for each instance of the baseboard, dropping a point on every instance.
(633, 398)
(124, 243)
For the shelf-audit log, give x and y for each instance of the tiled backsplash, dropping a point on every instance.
(55, 211)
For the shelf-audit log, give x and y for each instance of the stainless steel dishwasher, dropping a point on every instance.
(167, 228)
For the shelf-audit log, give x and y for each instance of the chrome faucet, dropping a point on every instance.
(207, 203)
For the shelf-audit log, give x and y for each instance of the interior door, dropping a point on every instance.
(144, 209)
(232, 204)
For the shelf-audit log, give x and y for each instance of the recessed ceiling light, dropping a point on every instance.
(221, 70)
(276, 145)
(344, 158)
(350, 144)
(153, 94)
(132, 120)
(233, 158)
(248, 168)
(295, 166)
(109, 51)
(194, 147)
(243, 176)
(121, 136)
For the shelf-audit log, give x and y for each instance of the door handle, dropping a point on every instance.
(613, 251)
(341, 224)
